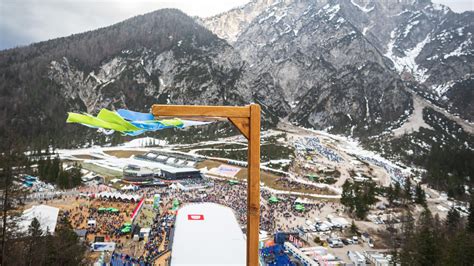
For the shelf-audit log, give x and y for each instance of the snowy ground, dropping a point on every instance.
(352, 154)
(415, 121)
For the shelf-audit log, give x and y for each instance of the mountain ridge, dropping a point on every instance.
(317, 64)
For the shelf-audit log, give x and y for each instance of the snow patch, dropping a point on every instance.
(409, 27)
(362, 8)
(331, 11)
(463, 49)
(266, 18)
(408, 61)
(441, 89)
(364, 31)
(278, 18)
(144, 142)
(367, 110)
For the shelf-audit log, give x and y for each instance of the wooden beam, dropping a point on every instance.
(253, 189)
(243, 124)
(195, 110)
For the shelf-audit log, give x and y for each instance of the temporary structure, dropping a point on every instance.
(175, 204)
(273, 199)
(234, 182)
(299, 207)
(46, 215)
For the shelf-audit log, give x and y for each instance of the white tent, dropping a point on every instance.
(129, 187)
(207, 234)
(91, 223)
(46, 215)
(109, 195)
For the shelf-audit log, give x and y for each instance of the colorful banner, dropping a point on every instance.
(137, 209)
(128, 122)
(156, 202)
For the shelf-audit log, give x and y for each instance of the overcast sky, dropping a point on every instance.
(26, 21)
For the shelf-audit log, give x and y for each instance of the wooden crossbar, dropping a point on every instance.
(200, 110)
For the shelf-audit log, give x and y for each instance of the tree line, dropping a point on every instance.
(357, 197)
(52, 171)
(450, 169)
(37, 247)
(432, 241)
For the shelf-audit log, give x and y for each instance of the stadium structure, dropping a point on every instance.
(171, 166)
(207, 234)
(137, 174)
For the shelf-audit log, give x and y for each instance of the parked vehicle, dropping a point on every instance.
(334, 243)
(371, 243)
(355, 239)
(347, 241)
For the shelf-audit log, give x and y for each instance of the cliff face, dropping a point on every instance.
(301, 44)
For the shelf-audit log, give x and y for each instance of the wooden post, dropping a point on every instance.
(247, 120)
(253, 186)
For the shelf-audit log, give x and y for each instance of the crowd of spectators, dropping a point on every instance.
(313, 143)
(105, 223)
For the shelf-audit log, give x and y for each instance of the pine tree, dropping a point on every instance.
(453, 220)
(397, 190)
(408, 245)
(354, 228)
(427, 247)
(407, 189)
(34, 229)
(75, 175)
(65, 239)
(470, 218)
(420, 196)
(34, 250)
(11, 195)
(390, 195)
(62, 180)
(54, 170)
(369, 192)
(347, 197)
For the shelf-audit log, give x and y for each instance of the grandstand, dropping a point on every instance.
(171, 166)
(171, 159)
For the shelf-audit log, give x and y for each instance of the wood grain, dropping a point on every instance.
(243, 124)
(200, 110)
(253, 189)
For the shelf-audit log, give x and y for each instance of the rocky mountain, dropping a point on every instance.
(396, 74)
(348, 66)
(424, 43)
(160, 57)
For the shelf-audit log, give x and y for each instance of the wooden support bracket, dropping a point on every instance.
(242, 124)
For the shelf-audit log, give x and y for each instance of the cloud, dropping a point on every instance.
(457, 5)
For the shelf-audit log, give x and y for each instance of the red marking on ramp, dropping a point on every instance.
(195, 217)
